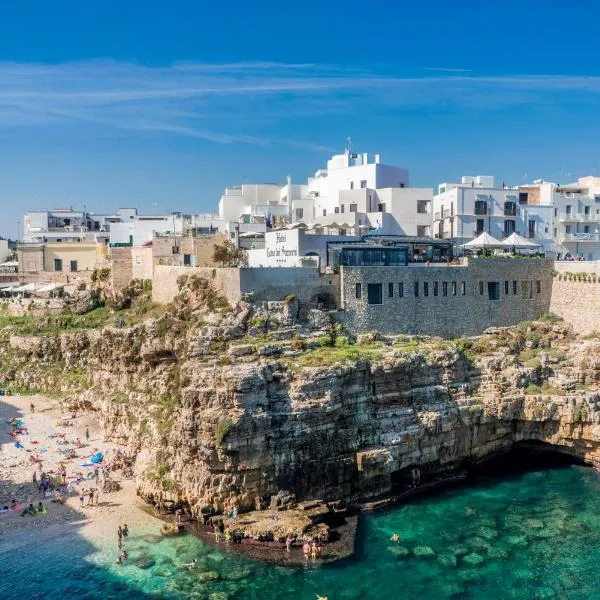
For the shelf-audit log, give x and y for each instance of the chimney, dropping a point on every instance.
(377, 159)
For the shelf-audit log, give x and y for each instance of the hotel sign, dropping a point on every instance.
(281, 247)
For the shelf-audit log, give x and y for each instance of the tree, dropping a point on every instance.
(229, 255)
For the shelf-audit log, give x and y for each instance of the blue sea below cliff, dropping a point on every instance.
(527, 535)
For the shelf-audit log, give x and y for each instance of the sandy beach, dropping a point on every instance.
(97, 523)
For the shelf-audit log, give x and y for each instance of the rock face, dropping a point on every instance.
(215, 423)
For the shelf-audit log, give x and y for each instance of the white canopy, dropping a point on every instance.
(49, 287)
(29, 287)
(519, 242)
(485, 240)
(250, 234)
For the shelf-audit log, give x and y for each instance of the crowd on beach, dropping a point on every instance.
(55, 483)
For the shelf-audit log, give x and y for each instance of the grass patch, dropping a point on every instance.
(222, 428)
(326, 356)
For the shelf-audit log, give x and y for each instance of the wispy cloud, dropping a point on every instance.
(244, 102)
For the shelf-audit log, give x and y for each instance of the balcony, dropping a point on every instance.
(580, 237)
(437, 216)
(578, 218)
(446, 213)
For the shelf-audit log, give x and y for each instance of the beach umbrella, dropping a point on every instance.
(484, 240)
(518, 242)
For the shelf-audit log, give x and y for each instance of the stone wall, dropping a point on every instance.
(451, 301)
(308, 285)
(577, 301)
(165, 288)
(121, 268)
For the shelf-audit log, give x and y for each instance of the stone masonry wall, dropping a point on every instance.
(450, 301)
(165, 288)
(121, 268)
(577, 302)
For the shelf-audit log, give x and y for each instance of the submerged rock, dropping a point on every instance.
(423, 551)
(473, 559)
(207, 576)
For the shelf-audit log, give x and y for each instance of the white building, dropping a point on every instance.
(125, 227)
(576, 215)
(294, 247)
(461, 211)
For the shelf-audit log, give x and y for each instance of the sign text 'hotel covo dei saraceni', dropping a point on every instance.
(280, 247)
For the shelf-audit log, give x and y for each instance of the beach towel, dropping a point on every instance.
(18, 445)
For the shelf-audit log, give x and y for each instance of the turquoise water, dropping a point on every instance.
(535, 535)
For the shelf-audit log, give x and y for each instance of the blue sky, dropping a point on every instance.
(163, 104)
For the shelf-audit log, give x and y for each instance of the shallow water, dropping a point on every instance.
(534, 535)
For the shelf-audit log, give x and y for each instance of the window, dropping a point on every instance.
(506, 288)
(336, 210)
(57, 264)
(175, 249)
(556, 212)
(510, 209)
(435, 288)
(454, 288)
(381, 207)
(567, 229)
(444, 288)
(526, 290)
(363, 184)
(555, 232)
(523, 196)
(374, 293)
(586, 229)
(422, 207)
(493, 290)
(538, 287)
(73, 265)
(568, 209)
(514, 287)
(299, 213)
(422, 230)
(463, 288)
(342, 208)
(390, 290)
(586, 210)
(425, 288)
(324, 212)
(138, 260)
(481, 288)
(352, 185)
(531, 227)
(358, 291)
(481, 207)
(479, 227)
(353, 207)
(400, 290)
(416, 289)
(187, 260)
(509, 227)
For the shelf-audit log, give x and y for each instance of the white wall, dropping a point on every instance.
(4, 253)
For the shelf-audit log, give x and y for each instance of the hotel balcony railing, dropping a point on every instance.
(580, 237)
(481, 212)
(437, 215)
(579, 218)
(446, 213)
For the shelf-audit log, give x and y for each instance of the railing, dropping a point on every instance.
(480, 211)
(436, 216)
(580, 237)
(579, 217)
(446, 213)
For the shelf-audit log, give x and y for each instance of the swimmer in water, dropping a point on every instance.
(395, 538)
(191, 565)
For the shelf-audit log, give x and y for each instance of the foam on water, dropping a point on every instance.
(535, 535)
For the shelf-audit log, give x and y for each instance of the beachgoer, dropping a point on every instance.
(227, 536)
(120, 532)
(87, 434)
(125, 531)
(313, 551)
(217, 532)
(234, 513)
(40, 508)
(395, 538)
(97, 497)
(81, 498)
(191, 565)
(35, 482)
(32, 407)
(91, 497)
(288, 542)
(306, 550)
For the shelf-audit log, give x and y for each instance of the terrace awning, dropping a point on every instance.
(485, 240)
(519, 242)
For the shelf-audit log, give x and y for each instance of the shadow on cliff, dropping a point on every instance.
(53, 561)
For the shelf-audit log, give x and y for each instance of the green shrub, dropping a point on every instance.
(550, 318)
(222, 428)
(147, 286)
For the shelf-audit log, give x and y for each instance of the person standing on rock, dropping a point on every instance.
(35, 482)
(87, 434)
(288, 542)
(32, 407)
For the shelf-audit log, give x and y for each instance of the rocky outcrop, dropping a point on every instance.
(217, 421)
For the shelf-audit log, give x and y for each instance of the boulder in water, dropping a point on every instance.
(448, 560)
(473, 559)
(423, 551)
(399, 551)
(151, 538)
(207, 576)
(170, 529)
(144, 562)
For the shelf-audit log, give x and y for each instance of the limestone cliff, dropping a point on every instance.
(231, 406)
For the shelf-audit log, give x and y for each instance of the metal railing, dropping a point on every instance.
(579, 217)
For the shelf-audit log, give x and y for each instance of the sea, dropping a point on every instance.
(526, 535)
